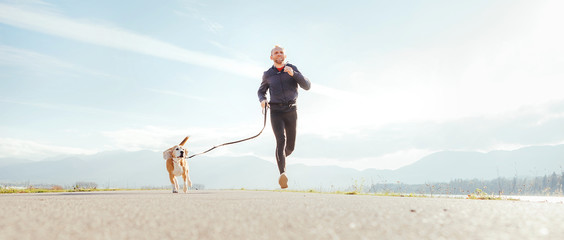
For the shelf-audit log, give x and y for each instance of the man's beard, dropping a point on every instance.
(279, 60)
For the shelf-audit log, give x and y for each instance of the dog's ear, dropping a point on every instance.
(185, 151)
(167, 154)
(184, 141)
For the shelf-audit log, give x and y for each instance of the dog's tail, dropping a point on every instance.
(184, 141)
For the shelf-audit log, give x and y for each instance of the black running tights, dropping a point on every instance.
(284, 127)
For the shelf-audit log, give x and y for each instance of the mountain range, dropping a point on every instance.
(121, 169)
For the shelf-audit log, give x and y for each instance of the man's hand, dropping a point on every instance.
(289, 70)
(264, 103)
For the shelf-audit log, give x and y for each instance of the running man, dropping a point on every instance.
(282, 81)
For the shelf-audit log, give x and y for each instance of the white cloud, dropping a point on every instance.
(389, 161)
(115, 37)
(75, 108)
(157, 137)
(396, 144)
(193, 7)
(236, 53)
(27, 149)
(150, 137)
(389, 147)
(178, 94)
(41, 64)
(111, 36)
(513, 62)
(11, 56)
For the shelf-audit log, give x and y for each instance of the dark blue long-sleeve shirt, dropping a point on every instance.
(282, 87)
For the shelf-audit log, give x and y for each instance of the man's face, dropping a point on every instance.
(277, 55)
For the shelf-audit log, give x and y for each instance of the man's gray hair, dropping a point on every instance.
(275, 47)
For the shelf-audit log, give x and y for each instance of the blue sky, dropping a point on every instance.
(392, 81)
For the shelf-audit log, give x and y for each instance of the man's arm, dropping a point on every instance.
(301, 79)
(262, 90)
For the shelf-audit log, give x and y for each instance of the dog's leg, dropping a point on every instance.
(174, 183)
(185, 182)
(188, 179)
(188, 175)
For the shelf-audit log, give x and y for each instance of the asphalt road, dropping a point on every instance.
(270, 215)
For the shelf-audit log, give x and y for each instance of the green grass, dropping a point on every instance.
(43, 190)
(478, 195)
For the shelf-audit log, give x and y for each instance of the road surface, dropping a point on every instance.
(207, 214)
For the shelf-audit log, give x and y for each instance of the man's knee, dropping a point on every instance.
(289, 150)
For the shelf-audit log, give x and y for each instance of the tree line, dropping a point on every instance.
(547, 185)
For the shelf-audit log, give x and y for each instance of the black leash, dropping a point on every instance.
(238, 141)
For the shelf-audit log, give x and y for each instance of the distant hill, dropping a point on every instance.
(116, 168)
(12, 161)
(449, 165)
(147, 169)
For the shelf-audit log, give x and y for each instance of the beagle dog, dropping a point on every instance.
(176, 165)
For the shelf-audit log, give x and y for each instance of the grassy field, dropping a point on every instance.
(43, 190)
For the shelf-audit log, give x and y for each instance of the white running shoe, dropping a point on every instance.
(283, 180)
